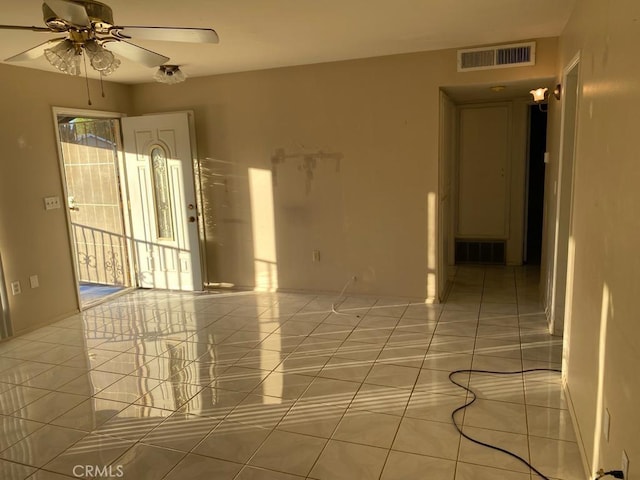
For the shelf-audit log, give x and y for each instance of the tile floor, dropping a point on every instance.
(161, 385)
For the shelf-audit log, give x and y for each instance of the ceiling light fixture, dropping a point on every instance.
(170, 74)
(66, 56)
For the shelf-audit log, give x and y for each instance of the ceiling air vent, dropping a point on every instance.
(501, 56)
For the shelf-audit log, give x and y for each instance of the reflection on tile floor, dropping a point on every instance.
(165, 385)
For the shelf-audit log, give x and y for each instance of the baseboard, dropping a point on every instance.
(43, 324)
(576, 428)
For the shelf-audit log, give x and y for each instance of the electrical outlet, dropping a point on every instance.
(606, 424)
(316, 255)
(51, 203)
(15, 288)
(33, 281)
(625, 465)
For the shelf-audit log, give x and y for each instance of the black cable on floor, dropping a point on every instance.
(517, 457)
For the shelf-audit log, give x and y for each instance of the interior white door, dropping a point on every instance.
(160, 184)
(483, 172)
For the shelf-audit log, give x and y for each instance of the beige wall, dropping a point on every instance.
(354, 146)
(34, 241)
(603, 333)
(367, 131)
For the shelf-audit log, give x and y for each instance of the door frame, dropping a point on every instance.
(564, 286)
(6, 328)
(57, 111)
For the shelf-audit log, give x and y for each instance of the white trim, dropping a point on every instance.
(6, 327)
(61, 111)
(79, 112)
(575, 61)
(576, 427)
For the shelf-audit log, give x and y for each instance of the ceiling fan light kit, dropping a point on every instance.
(101, 59)
(65, 57)
(169, 74)
(91, 31)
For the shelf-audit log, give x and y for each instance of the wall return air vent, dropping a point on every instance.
(500, 56)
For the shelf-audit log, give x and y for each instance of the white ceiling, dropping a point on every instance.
(259, 34)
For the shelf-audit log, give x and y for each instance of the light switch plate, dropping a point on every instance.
(33, 281)
(51, 203)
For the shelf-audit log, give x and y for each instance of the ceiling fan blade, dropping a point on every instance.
(20, 27)
(136, 53)
(71, 12)
(34, 52)
(168, 34)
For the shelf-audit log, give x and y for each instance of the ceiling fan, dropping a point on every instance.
(89, 28)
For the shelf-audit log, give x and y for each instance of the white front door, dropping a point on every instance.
(160, 183)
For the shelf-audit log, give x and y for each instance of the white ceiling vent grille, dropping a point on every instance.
(502, 56)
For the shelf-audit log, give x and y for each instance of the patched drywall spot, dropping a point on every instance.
(307, 162)
(22, 142)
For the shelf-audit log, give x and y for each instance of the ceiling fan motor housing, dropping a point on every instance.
(101, 17)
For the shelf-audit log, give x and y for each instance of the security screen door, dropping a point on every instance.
(160, 181)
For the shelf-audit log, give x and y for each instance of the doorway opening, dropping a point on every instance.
(535, 185)
(91, 166)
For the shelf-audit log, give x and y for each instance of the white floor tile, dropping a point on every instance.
(288, 452)
(424, 437)
(346, 461)
(227, 385)
(367, 428)
(404, 466)
(495, 415)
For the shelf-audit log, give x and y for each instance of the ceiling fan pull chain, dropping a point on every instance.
(86, 77)
(102, 84)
